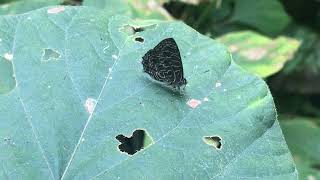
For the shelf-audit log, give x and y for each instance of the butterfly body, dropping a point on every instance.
(163, 63)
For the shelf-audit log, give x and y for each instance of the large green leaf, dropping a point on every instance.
(303, 136)
(80, 85)
(259, 54)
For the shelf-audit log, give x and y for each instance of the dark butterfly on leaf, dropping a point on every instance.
(163, 63)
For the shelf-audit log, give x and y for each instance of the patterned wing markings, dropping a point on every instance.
(163, 63)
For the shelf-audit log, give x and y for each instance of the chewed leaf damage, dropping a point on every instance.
(131, 29)
(49, 55)
(214, 141)
(139, 140)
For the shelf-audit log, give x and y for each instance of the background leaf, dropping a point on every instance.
(266, 16)
(21, 6)
(302, 136)
(111, 6)
(143, 9)
(301, 75)
(259, 54)
(216, 17)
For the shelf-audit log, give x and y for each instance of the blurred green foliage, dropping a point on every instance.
(259, 54)
(10, 7)
(302, 136)
(278, 40)
(217, 17)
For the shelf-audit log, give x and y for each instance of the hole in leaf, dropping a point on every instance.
(50, 54)
(140, 139)
(214, 141)
(131, 30)
(137, 29)
(316, 166)
(139, 39)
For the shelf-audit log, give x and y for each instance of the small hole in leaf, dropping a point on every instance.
(139, 139)
(214, 141)
(316, 166)
(139, 39)
(50, 54)
(130, 30)
(138, 29)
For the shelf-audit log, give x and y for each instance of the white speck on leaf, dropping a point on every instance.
(55, 10)
(224, 90)
(49, 86)
(105, 49)
(110, 69)
(114, 56)
(110, 77)
(218, 84)
(193, 103)
(205, 99)
(0, 40)
(8, 56)
(29, 18)
(82, 140)
(90, 105)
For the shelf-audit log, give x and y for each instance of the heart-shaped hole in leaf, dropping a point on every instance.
(139, 139)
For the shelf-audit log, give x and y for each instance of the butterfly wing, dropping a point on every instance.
(163, 63)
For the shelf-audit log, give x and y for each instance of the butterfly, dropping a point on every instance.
(163, 63)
